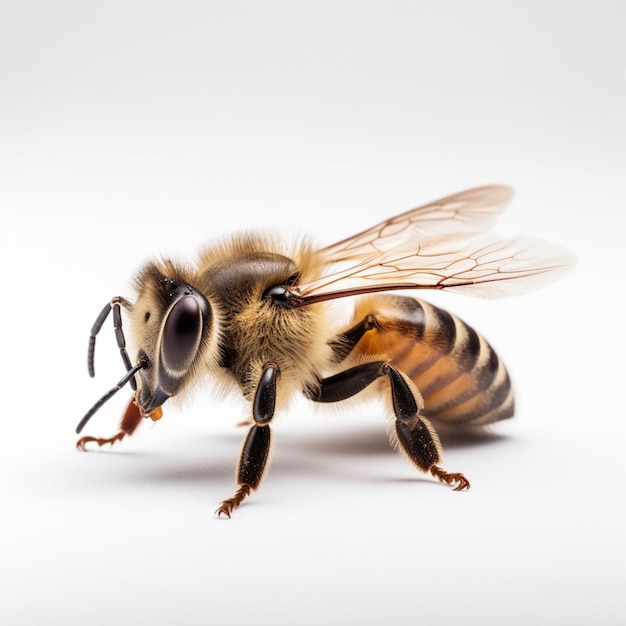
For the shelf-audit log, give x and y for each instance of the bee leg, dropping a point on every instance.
(347, 383)
(344, 343)
(415, 435)
(128, 425)
(256, 447)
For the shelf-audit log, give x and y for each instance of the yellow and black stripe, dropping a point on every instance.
(461, 378)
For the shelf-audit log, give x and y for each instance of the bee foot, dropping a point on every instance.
(228, 506)
(81, 444)
(450, 478)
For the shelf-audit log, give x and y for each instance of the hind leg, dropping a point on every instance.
(419, 442)
(413, 434)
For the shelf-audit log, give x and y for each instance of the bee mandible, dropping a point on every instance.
(255, 313)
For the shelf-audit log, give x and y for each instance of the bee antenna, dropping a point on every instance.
(119, 335)
(130, 374)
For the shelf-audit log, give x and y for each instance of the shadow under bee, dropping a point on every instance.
(306, 454)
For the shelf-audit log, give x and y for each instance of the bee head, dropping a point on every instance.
(172, 322)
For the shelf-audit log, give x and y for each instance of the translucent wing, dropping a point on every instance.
(479, 264)
(474, 209)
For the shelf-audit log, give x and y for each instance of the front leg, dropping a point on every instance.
(130, 422)
(415, 436)
(256, 447)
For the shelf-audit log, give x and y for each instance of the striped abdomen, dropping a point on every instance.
(459, 375)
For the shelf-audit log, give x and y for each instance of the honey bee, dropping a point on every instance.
(253, 312)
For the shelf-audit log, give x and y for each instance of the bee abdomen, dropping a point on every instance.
(459, 375)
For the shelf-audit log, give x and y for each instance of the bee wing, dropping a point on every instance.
(485, 265)
(473, 209)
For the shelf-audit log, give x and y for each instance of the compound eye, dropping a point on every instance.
(182, 334)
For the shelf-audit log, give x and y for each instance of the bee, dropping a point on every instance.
(256, 314)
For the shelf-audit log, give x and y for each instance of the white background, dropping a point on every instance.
(129, 129)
